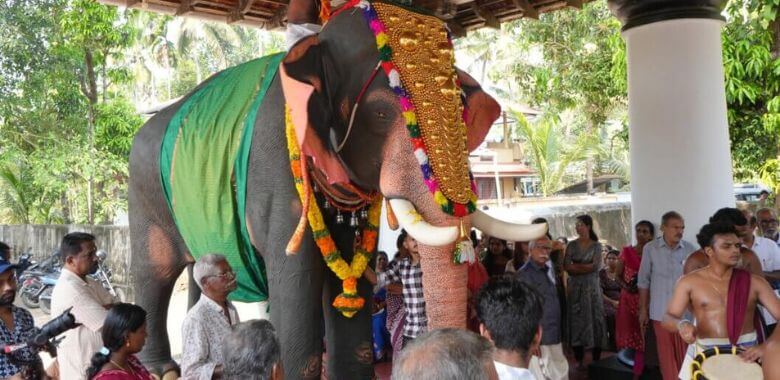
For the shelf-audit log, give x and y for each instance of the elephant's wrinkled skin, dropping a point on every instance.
(378, 156)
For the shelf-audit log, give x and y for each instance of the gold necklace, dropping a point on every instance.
(720, 295)
(130, 371)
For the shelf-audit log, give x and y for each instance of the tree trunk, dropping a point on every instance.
(589, 162)
(89, 88)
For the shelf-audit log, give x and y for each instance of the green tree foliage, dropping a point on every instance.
(551, 150)
(64, 128)
(751, 57)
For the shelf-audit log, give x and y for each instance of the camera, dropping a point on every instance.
(49, 331)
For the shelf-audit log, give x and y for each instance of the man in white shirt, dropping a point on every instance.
(509, 312)
(89, 300)
(766, 250)
(209, 321)
(767, 224)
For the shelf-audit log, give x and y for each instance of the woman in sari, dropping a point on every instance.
(628, 333)
(124, 335)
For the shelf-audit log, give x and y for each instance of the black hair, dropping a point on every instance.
(650, 226)
(764, 192)
(473, 236)
(588, 221)
(5, 251)
(613, 251)
(541, 220)
(71, 243)
(122, 319)
(706, 236)
(511, 311)
(729, 215)
(399, 243)
(669, 215)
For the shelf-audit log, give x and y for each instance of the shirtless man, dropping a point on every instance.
(748, 260)
(706, 291)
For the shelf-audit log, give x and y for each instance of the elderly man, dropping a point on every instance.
(767, 224)
(451, 354)
(662, 265)
(548, 360)
(252, 352)
(499, 303)
(209, 321)
(89, 300)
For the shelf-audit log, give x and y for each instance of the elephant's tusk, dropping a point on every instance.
(392, 221)
(422, 231)
(505, 230)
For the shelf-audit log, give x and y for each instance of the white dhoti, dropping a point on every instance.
(744, 341)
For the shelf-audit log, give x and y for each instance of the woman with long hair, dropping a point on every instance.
(124, 335)
(587, 327)
(628, 333)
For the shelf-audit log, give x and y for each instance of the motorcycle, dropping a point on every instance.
(102, 275)
(31, 280)
(24, 263)
(35, 284)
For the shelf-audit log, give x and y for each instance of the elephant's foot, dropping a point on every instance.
(164, 369)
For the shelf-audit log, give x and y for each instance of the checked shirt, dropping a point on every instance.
(411, 277)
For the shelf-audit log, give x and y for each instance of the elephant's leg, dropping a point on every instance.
(295, 288)
(193, 290)
(348, 340)
(158, 252)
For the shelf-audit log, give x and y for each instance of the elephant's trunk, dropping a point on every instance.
(444, 287)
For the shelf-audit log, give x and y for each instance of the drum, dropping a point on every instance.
(723, 364)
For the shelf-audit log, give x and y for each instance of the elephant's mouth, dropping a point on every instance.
(428, 234)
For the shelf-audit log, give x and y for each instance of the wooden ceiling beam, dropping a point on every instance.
(528, 9)
(238, 12)
(486, 16)
(186, 6)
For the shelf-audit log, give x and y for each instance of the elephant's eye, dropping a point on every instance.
(381, 115)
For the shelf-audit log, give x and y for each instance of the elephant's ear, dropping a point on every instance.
(483, 110)
(306, 91)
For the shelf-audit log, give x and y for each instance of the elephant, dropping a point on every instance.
(369, 148)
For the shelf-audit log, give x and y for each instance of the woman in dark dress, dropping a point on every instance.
(610, 288)
(587, 327)
(497, 256)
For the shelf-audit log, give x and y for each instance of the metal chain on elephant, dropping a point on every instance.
(348, 302)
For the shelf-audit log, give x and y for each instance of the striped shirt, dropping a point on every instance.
(411, 277)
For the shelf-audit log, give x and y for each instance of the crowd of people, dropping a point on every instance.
(530, 303)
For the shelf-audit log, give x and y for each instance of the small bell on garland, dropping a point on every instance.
(353, 220)
(339, 218)
(364, 214)
(464, 249)
(315, 189)
(326, 205)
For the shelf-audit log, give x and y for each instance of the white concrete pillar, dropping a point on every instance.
(678, 131)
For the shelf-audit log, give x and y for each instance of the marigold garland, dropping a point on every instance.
(348, 302)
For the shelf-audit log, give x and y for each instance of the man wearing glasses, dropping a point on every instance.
(210, 320)
(89, 300)
(767, 224)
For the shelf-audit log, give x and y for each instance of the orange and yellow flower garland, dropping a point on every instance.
(348, 302)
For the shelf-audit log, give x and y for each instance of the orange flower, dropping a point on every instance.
(350, 285)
